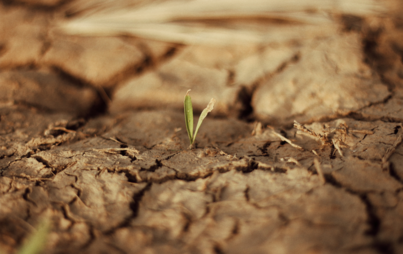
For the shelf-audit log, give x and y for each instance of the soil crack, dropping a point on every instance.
(134, 207)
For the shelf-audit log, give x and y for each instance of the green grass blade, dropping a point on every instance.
(189, 116)
(37, 241)
(203, 115)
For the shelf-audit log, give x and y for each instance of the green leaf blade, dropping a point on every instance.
(35, 244)
(203, 115)
(189, 116)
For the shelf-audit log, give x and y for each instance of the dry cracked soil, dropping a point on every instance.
(302, 153)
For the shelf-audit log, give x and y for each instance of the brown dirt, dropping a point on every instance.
(92, 137)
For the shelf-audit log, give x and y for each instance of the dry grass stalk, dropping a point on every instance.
(336, 144)
(319, 170)
(190, 22)
(287, 140)
(291, 160)
(322, 137)
(366, 132)
(63, 129)
(257, 129)
(304, 11)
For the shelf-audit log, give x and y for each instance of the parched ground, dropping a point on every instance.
(302, 153)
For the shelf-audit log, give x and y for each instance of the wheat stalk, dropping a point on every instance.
(188, 22)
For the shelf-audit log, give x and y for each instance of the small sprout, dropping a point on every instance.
(36, 242)
(189, 116)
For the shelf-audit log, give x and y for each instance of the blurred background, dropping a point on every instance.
(260, 59)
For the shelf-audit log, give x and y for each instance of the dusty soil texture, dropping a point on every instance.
(302, 153)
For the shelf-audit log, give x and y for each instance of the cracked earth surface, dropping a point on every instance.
(92, 137)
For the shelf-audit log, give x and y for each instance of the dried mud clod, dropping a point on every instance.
(189, 192)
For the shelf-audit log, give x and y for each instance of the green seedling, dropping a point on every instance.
(36, 242)
(189, 117)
